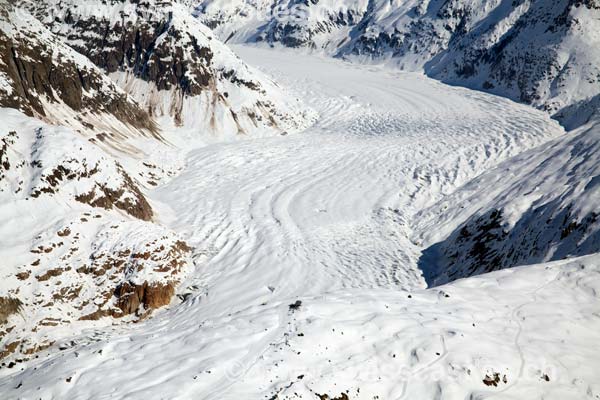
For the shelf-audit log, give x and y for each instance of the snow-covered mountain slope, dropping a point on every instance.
(316, 24)
(175, 67)
(44, 78)
(40, 162)
(543, 205)
(543, 53)
(75, 242)
(488, 336)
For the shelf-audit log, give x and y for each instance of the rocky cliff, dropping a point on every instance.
(175, 67)
(42, 77)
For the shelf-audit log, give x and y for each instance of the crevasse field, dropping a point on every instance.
(306, 281)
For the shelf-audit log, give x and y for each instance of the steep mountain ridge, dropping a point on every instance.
(44, 78)
(175, 67)
(538, 207)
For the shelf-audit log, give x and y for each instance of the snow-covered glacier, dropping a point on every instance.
(188, 213)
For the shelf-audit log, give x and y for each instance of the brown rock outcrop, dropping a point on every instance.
(131, 297)
(38, 66)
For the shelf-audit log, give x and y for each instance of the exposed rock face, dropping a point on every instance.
(174, 66)
(44, 78)
(144, 42)
(137, 278)
(127, 198)
(149, 296)
(543, 53)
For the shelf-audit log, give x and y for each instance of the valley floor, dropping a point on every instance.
(326, 218)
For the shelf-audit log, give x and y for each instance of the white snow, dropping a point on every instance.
(5, 84)
(327, 217)
(332, 206)
(543, 53)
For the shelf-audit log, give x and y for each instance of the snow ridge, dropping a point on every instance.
(539, 207)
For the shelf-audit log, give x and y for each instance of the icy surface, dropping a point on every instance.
(306, 281)
(331, 208)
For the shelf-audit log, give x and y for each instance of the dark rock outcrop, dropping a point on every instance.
(144, 42)
(150, 296)
(135, 204)
(173, 66)
(41, 71)
(8, 307)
